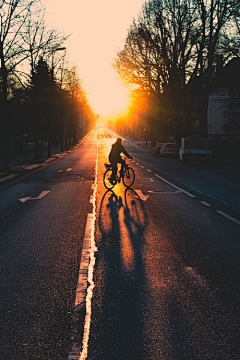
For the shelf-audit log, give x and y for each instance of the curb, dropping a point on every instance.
(23, 169)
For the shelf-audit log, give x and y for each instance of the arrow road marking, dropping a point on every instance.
(40, 196)
(23, 200)
(141, 196)
(68, 169)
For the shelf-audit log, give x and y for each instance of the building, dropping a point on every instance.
(223, 118)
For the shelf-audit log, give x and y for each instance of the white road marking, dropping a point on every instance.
(69, 169)
(142, 166)
(33, 166)
(141, 196)
(85, 285)
(164, 192)
(40, 196)
(228, 217)
(23, 200)
(176, 187)
(151, 179)
(137, 163)
(205, 203)
(81, 290)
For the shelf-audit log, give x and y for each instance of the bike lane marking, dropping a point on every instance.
(176, 187)
(39, 197)
(229, 217)
(85, 284)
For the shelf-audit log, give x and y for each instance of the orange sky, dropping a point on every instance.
(98, 30)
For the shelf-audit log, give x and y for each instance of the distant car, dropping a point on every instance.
(157, 149)
(195, 148)
(169, 149)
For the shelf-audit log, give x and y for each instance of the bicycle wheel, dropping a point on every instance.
(129, 177)
(106, 179)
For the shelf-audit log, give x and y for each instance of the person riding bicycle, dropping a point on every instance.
(115, 158)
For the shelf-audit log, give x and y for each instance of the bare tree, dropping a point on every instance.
(40, 42)
(24, 38)
(171, 45)
(13, 14)
(80, 115)
(218, 38)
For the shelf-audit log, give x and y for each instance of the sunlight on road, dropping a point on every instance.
(127, 253)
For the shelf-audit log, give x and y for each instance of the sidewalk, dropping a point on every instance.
(22, 163)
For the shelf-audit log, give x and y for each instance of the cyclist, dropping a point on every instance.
(115, 158)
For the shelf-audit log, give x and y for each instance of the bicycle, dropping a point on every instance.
(127, 177)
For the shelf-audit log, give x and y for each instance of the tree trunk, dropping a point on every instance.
(4, 111)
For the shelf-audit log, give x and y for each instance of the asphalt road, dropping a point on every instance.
(167, 265)
(40, 249)
(164, 260)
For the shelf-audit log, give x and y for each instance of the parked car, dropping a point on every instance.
(195, 148)
(157, 149)
(169, 149)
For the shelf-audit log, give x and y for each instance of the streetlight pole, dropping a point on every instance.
(52, 75)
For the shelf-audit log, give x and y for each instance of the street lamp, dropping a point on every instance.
(52, 73)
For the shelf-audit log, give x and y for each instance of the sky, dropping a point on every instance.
(98, 30)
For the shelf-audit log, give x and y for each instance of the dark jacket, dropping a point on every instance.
(115, 152)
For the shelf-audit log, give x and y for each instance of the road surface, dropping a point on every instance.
(148, 272)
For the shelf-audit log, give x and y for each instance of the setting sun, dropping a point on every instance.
(109, 97)
(97, 31)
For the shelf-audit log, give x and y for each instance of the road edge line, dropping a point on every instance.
(85, 284)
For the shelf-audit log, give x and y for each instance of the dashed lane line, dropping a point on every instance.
(228, 217)
(193, 196)
(205, 203)
(176, 187)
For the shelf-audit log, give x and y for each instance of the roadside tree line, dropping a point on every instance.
(41, 96)
(172, 54)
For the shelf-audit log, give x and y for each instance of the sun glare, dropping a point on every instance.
(108, 98)
(98, 30)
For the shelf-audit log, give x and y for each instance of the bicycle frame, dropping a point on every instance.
(118, 174)
(127, 178)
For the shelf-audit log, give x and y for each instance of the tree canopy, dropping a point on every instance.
(175, 46)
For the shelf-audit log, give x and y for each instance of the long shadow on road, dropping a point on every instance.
(116, 331)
